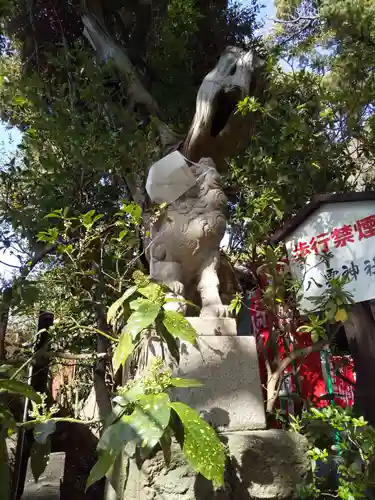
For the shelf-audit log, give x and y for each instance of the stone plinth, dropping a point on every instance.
(267, 464)
(231, 397)
(264, 465)
(214, 326)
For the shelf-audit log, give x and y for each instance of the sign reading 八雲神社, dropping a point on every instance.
(344, 234)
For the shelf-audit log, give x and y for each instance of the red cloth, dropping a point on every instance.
(311, 380)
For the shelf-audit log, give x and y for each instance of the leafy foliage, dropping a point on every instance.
(142, 414)
(348, 441)
(147, 310)
(201, 446)
(17, 387)
(141, 410)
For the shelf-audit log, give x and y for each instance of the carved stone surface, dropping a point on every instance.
(184, 248)
(264, 465)
(217, 130)
(230, 397)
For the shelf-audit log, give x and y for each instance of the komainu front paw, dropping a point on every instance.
(215, 311)
(175, 303)
(176, 287)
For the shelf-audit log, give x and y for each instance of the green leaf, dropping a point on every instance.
(122, 234)
(43, 430)
(7, 420)
(89, 215)
(117, 435)
(39, 458)
(97, 217)
(202, 446)
(185, 382)
(102, 466)
(131, 395)
(179, 327)
(181, 301)
(139, 302)
(4, 468)
(169, 340)
(17, 387)
(142, 318)
(53, 215)
(123, 349)
(19, 101)
(134, 210)
(314, 337)
(150, 418)
(112, 311)
(152, 291)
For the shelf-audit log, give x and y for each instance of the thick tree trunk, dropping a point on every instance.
(6, 300)
(107, 49)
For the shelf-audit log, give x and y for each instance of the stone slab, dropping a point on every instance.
(213, 326)
(231, 396)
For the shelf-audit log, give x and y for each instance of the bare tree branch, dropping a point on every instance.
(58, 355)
(9, 265)
(295, 20)
(107, 48)
(273, 382)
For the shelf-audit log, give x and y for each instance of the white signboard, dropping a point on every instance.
(347, 232)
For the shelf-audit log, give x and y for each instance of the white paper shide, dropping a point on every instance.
(169, 178)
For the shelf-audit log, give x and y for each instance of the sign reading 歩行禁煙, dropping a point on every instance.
(336, 239)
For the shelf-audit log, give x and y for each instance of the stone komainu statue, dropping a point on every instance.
(184, 247)
(185, 242)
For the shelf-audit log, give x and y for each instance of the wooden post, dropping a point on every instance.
(360, 332)
(38, 379)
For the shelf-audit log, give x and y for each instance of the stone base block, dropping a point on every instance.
(264, 465)
(267, 464)
(231, 397)
(213, 326)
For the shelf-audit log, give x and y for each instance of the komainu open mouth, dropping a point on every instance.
(224, 104)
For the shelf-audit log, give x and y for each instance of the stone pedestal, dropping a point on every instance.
(264, 465)
(230, 397)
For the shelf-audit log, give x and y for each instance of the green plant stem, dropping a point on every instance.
(31, 423)
(17, 372)
(93, 329)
